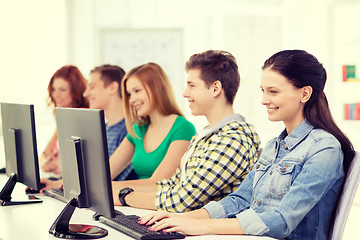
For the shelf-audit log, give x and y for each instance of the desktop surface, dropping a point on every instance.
(34, 220)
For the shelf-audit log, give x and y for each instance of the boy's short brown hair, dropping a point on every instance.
(217, 65)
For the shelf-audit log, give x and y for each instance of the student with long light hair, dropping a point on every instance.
(158, 134)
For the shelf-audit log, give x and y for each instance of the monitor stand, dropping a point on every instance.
(62, 229)
(5, 194)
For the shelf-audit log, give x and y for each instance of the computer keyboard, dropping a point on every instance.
(129, 225)
(57, 194)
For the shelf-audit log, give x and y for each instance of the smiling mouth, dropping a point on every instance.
(137, 107)
(270, 110)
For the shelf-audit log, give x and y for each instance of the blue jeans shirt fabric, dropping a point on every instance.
(292, 191)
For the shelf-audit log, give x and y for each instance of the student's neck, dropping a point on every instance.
(114, 112)
(217, 114)
(158, 119)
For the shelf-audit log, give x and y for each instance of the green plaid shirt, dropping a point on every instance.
(217, 166)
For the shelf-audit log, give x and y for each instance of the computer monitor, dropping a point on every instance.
(85, 169)
(22, 164)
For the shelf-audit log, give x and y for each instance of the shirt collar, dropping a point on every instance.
(297, 135)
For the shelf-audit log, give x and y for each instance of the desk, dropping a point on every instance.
(33, 221)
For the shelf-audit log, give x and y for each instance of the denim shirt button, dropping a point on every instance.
(259, 202)
(283, 169)
(271, 172)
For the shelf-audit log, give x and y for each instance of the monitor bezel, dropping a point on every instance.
(88, 126)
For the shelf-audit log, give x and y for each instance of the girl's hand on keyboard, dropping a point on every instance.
(183, 225)
(154, 217)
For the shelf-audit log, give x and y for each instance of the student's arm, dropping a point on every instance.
(144, 200)
(121, 158)
(47, 154)
(171, 161)
(190, 226)
(50, 184)
(143, 187)
(154, 217)
(51, 143)
(147, 187)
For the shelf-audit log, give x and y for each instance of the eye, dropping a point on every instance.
(273, 92)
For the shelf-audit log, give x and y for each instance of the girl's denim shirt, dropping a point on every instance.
(292, 191)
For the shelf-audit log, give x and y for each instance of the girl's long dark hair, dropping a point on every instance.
(303, 69)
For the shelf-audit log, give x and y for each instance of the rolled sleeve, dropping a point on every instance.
(251, 223)
(215, 210)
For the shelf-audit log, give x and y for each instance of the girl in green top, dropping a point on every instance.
(158, 134)
(145, 163)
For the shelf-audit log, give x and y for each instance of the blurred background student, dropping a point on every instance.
(66, 88)
(104, 92)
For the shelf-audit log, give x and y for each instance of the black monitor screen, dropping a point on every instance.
(85, 168)
(84, 158)
(18, 123)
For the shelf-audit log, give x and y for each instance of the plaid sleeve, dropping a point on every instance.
(215, 164)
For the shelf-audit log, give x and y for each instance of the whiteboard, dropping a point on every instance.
(129, 48)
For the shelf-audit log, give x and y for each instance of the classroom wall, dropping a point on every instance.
(41, 36)
(32, 48)
(251, 30)
(238, 27)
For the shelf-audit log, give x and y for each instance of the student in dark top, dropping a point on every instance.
(104, 92)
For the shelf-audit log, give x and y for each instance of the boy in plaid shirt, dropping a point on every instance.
(218, 158)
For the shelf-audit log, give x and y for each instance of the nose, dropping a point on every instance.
(86, 92)
(131, 99)
(186, 93)
(264, 99)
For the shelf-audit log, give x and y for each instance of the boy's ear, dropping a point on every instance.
(217, 87)
(113, 87)
(306, 93)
